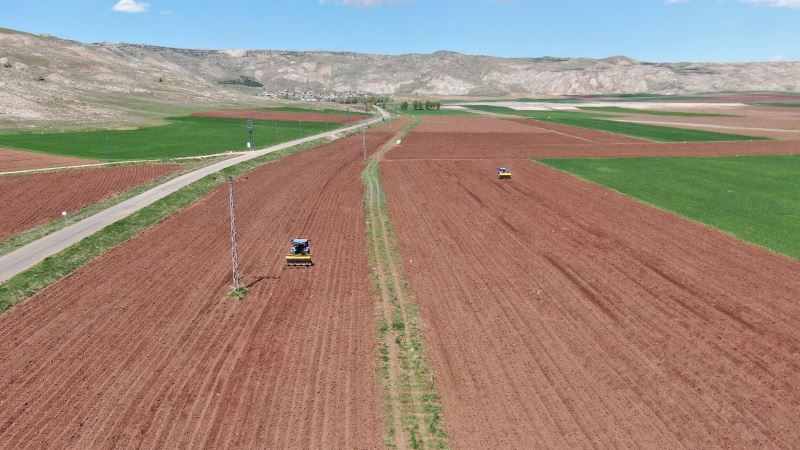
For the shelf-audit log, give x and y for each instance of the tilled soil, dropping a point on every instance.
(27, 201)
(562, 315)
(11, 160)
(144, 348)
(774, 123)
(583, 134)
(503, 138)
(287, 116)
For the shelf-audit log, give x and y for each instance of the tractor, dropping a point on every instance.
(299, 253)
(503, 174)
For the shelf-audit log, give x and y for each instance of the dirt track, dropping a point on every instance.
(259, 114)
(28, 201)
(19, 160)
(562, 315)
(143, 347)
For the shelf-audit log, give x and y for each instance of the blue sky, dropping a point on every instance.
(648, 30)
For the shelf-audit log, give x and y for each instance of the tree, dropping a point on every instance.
(404, 105)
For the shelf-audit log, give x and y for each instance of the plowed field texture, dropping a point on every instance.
(27, 201)
(15, 160)
(560, 314)
(492, 138)
(144, 348)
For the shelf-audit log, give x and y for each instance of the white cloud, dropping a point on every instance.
(131, 6)
(363, 3)
(776, 3)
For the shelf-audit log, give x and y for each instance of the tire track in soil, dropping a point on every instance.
(412, 414)
(561, 314)
(143, 347)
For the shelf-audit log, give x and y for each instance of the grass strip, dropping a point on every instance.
(408, 384)
(637, 130)
(754, 198)
(56, 267)
(180, 137)
(779, 105)
(650, 112)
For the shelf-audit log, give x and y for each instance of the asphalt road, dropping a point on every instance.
(33, 253)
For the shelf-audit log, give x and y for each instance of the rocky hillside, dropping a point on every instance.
(42, 77)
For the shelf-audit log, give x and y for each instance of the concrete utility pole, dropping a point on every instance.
(237, 286)
(364, 142)
(250, 144)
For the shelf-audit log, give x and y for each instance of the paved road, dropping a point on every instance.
(28, 256)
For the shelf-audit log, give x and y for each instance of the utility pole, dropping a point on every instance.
(238, 291)
(250, 144)
(364, 142)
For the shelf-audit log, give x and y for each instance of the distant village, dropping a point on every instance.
(310, 95)
(347, 98)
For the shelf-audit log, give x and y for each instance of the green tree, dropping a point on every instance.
(404, 105)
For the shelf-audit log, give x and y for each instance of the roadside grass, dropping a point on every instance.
(28, 236)
(754, 198)
(58, 266)
(638, 130)
(408, 385)
(651, 112)
(182, 136)
(779, 105)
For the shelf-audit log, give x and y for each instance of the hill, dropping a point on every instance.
(43, 77)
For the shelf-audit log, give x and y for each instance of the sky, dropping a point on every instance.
(647, 30)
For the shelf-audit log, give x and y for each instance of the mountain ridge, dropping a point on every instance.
(42, 76)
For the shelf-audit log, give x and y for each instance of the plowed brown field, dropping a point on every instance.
(143, 347)
(19, 160)
(563, 315)
(27, 201)
(494, 138)
(260, 114)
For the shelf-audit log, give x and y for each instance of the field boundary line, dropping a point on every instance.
(119, 163)
(413, 416)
